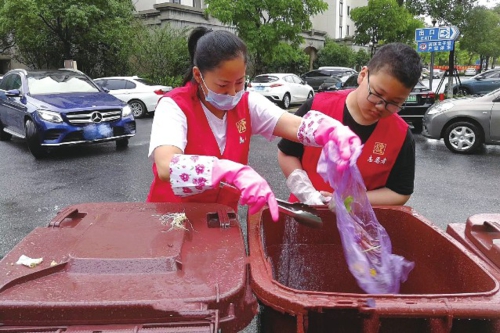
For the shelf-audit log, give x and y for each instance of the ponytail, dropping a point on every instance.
(195, 35)
(208, 49)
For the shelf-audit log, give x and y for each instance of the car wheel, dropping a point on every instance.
(122, 143)
(285, 103)
(417, 126)
(463, 137)
(138, 108)
(4, 136)
(463, 91)
(33, 140)
(311, 94)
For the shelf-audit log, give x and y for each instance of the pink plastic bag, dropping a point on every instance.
(367, 247)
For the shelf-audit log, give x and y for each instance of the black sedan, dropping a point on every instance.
(420, 99)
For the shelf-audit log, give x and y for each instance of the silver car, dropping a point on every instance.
(465, 124)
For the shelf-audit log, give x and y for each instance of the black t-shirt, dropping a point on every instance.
(402, 176)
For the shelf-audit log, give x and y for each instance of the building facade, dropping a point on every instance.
(334, 23)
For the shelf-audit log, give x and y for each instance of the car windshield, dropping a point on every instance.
(59, 83)
(146, 82)
(420, 85)
(486, 74)
(340, 72)
(265, 79)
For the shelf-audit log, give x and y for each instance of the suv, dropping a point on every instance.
(480, 84)
(325, 74)
(53, 108)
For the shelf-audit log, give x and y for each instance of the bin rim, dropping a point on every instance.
(271, 292)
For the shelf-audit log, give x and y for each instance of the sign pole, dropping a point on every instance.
(431, 79)
(451, 70)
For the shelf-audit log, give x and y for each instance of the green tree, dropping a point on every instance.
(335, 54)
(95, 33)
(481, 32)
(160, 54)
(361, 59)
(444, 11)
(288, 59)
(383, 21)
(264, 24)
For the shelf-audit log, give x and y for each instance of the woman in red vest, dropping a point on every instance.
(387, 160)
(201, 131)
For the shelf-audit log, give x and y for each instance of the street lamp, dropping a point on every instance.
(372, 46)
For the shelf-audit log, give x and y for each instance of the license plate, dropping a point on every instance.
(411, 99)
(260, 88)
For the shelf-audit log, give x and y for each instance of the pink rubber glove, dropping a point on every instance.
(255, 191)
(317, 129)
(194, 174)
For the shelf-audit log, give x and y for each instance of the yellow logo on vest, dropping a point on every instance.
(241, 125)
(379, 148)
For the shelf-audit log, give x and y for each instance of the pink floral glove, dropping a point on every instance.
(317, 129)
(192, 174)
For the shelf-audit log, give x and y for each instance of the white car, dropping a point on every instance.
(282, 88)
(437, 73)
(139, 93)
(471, 71)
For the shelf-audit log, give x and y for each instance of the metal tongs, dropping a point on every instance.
(302, 213)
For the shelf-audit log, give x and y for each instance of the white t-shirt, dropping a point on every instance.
(170, 123)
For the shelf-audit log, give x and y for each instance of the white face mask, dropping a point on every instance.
(220, 101)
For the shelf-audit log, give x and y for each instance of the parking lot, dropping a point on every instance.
(448, 187)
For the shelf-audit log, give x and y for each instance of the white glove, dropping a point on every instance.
(300, 185)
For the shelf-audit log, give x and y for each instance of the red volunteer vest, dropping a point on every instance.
(201, 141)
(378, 155)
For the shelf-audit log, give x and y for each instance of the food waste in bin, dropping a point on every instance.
(303, 280)
(367, 246)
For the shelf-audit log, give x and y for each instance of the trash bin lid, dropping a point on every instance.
(483, 231)
(125, 263)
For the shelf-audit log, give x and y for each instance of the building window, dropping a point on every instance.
(348, 10)
(197, 4)
(340, 32)
(341, 8)
(176, 1)
(347, 33)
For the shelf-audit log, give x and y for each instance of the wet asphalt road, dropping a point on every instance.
(449, 187)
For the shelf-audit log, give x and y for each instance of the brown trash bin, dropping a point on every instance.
(117, 267)
(480, 235)
(301, 278)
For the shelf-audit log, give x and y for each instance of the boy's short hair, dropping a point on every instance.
(398, 60)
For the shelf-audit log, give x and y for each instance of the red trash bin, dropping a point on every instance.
(117, 267)
(301, 278)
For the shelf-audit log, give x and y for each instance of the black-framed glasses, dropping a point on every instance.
(378, 100)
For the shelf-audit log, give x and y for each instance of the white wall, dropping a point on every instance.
(331, 20)
(149, 4)
(144, 4)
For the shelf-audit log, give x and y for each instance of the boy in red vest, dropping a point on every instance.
(201, 131)
(387, 160)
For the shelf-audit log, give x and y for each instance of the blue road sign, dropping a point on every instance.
(439, 46)
(436, 34)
